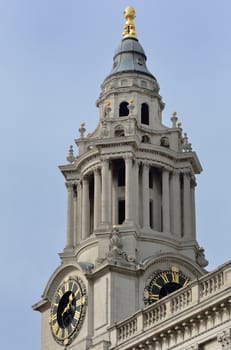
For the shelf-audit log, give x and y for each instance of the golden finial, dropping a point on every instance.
(131, 100)
(174, 114)
(129, 27)
(82, 125)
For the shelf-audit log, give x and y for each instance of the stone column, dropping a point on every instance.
(145, 195)
(75, 210)
(136, 192)
(157, 202)
(110, 192)
(70, 215)
(97, 198)
(79, 212)
(166, 201)
(187, 206)
(176, 204)
(105, 191)
(114, 201)
(85, 210)
(128, 191)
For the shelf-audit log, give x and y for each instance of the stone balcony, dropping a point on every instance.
(189, 316)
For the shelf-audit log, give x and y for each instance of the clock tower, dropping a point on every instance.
(131, 233)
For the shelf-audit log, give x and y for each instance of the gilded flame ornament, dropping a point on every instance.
(129, 27)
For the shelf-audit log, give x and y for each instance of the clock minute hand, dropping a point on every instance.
(67, 308)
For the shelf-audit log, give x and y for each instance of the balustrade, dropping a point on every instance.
(161, 314)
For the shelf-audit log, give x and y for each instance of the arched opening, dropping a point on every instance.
(145, 114)
(123, 111)
(145, 139)
(119, 131)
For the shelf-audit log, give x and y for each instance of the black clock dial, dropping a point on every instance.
(162, 284)
(67, 310)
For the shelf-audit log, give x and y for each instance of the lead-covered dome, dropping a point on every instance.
(130, 57)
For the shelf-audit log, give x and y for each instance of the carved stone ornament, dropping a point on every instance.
(115, 245)
(201, 257)
(104, 130)
(115, 248)
(224, 339)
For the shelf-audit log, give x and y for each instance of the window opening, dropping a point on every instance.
(121, 209)
(145, 114)
(151, 213)
(123, 111)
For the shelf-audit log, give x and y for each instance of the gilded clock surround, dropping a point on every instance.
(68, 310)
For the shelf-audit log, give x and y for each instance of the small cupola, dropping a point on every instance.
(129, 55)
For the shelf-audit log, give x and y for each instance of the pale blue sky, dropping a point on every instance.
(54, 56)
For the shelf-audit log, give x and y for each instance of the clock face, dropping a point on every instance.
(164, 283)
(67, 310)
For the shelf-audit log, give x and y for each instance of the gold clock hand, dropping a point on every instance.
(67, 308)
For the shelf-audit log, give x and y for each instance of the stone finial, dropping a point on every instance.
(82, 130)
(187, 147)
(174, 119)
(129, 27)
(70, 157)
(200, 257)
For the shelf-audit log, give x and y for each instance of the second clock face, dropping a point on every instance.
(67, 310)
(164, 283)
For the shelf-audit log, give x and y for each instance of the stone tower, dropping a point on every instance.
(131, 233)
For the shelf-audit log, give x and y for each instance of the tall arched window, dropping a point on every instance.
(123, 111)
(145, 114)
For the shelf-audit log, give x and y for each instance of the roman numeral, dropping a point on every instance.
(154, 296)
(186, 282)
(155, 284)
(175, 277)
(77, 315)
(164, 277)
